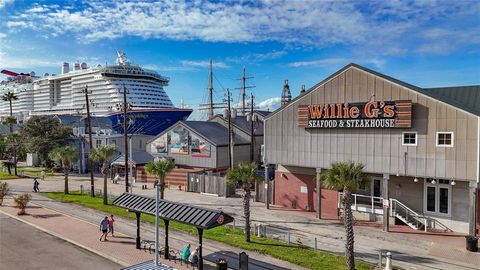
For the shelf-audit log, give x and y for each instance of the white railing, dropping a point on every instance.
(363, 203)
(413, 218)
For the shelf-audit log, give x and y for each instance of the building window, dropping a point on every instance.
(409, 138)
(98, 143)
(444, 139)
(438, 197)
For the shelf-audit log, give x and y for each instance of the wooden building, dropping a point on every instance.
(421, 147)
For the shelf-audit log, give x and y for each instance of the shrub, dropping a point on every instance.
(4, 189)
(22, 202)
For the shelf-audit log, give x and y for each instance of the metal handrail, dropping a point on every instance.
(410, 215)
(355, 204)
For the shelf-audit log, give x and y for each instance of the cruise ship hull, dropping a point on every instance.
(148, 121)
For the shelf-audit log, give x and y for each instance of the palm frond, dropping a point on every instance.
(345, 175)
(104, 153)
(245, 172)
(160, 168)
(67, 154)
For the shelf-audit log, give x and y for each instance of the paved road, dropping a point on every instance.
(24, 247)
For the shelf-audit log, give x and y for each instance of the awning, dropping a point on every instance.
(192, 215)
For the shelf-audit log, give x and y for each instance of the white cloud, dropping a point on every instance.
(3, 3)
(270, 104)
(402, 25)
(25, 62)
(339, 61)
(203, 64)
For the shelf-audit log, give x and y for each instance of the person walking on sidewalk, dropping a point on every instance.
(104, 229)
(42, 175)
(110, 225)
(35, 185)
(186, 252)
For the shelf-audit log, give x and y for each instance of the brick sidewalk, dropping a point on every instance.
(120, 249)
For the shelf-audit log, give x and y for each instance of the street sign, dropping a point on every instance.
(386, 203)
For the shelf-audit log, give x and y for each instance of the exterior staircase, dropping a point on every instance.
(408, 216)
(415, 220)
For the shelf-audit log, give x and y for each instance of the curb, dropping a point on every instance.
(120, 262)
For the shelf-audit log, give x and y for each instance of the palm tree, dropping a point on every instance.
(104, 154)
(67, 156)
(9, 96)
(160, 169)
(346, 176)
(246, 173)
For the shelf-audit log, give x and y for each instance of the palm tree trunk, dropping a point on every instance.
(348, 221)
(246, 213)
(65, 173)
(11, 113)
(162, 188)
(105, 201)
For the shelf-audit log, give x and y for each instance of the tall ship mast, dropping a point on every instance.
(150, 109)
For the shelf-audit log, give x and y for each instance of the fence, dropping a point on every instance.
(208, 183)
(98, 192)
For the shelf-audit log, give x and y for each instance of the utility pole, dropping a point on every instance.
(210, 92)
(243, 88)
(125, 135)
(210, 105)
(230, 133)
(90, 161)
(252, 135)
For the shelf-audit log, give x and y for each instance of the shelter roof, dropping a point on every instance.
(188, 214)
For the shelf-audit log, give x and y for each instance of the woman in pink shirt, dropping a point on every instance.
(110, 225)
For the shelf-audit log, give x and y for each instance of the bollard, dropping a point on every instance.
(288, 236)
(380, 259)
(316, 247)
(81, 189)
(388, 263)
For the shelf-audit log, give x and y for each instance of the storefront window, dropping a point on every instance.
(438, 196)
(431, 199)
(443, 200)
(409, 138)
(445, 139)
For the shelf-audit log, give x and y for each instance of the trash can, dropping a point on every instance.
(222, 264)
(472, 243)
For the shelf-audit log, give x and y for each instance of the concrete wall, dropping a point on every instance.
(380, 150)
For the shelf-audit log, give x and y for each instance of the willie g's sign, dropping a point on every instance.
(373, 114)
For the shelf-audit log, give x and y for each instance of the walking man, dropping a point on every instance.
(110, 225)
(42, 174)
(104, 229)
(35, 185)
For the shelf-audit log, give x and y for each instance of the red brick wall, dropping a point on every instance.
(288, 194)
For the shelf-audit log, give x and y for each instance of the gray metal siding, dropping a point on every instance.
(380, 150)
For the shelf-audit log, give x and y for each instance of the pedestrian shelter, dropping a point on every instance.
(201, 218)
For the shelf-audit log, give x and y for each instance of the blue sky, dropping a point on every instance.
(426, 43)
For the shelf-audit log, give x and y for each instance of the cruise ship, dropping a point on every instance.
(21, 84)
(150, 110)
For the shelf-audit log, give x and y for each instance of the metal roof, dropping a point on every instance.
(148, 265)
(241, 122)
(196, 216)
(456, 96)
(214, 132)
(138, 157)
(464, 97)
